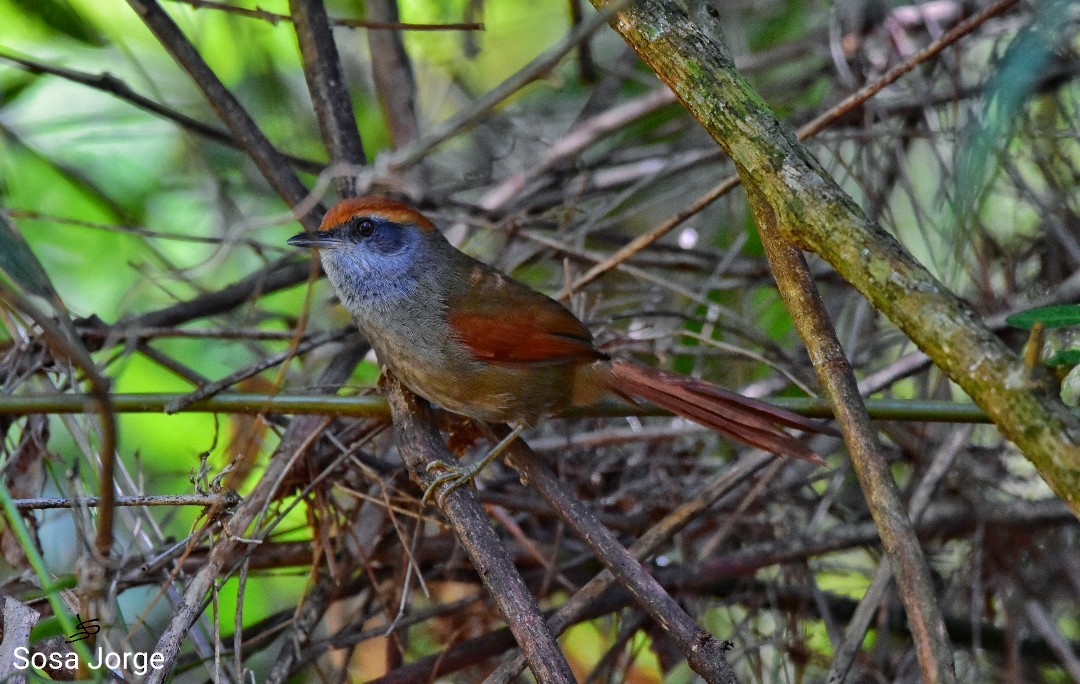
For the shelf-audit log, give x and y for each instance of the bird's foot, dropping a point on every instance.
(456, 476)
(451, 478)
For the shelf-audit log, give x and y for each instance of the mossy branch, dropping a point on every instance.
(816, 215)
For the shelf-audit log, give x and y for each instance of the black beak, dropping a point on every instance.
(317, 239)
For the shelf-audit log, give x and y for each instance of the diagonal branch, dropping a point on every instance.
(271, 163)
(421, 445)
(326, 83)
(813, 213)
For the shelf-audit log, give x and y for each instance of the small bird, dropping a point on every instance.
(477, 342)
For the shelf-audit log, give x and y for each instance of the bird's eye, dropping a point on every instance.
(365, 227)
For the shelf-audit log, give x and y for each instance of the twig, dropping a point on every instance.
(807, 131)
(277, 275)
(222, 384)
(326, 83)
(703, 652)
(271, 163)
(1047, 628)
(420, 446)
(191, 603)
(226, 500)
(837, 380)
(418, 149)
(107, 83)
(859, 97)
(391, 70)
(275, 18)
(860, 621)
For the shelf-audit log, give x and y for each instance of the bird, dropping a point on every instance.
(477, 342)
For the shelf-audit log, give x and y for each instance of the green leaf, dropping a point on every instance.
(14, 84)
(1067, 358)
(20, 265)
(1061, 316)
(60, 16)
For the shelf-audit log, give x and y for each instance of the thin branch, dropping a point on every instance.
(326, 84)
(276, 18)
(222, 384)
(703, 652)
(107, 83)
(806, 132)
(391, 70)
(271, 163)
(837, 380)
(421, 446)
(374, 406)
(226, 501)
(539, 66)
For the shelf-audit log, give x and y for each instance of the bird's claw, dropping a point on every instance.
(456, 476)
(452, 478)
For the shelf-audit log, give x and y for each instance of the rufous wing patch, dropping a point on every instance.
(526, 337)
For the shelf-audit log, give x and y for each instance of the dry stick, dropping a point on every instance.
(226, 500)
(326, 84)
(859, 624)
(1046, 626)
(277, 275)
(107, 83)
(191, 603)
(704, 653)
(271, 163)
(539, 66)
(221, 384)
(337, 123)
(808, 130)
(395, 89)
(645, 546)
(639, 243)
(866, 92)
(421, 446)
(395, 85)
(837, 380)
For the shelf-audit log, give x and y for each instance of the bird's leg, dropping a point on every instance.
(454, 477)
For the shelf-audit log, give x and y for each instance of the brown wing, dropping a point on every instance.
(504, 322)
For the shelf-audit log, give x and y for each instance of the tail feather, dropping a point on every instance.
(741, 418)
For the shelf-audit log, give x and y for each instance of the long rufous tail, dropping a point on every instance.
(746, 420)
